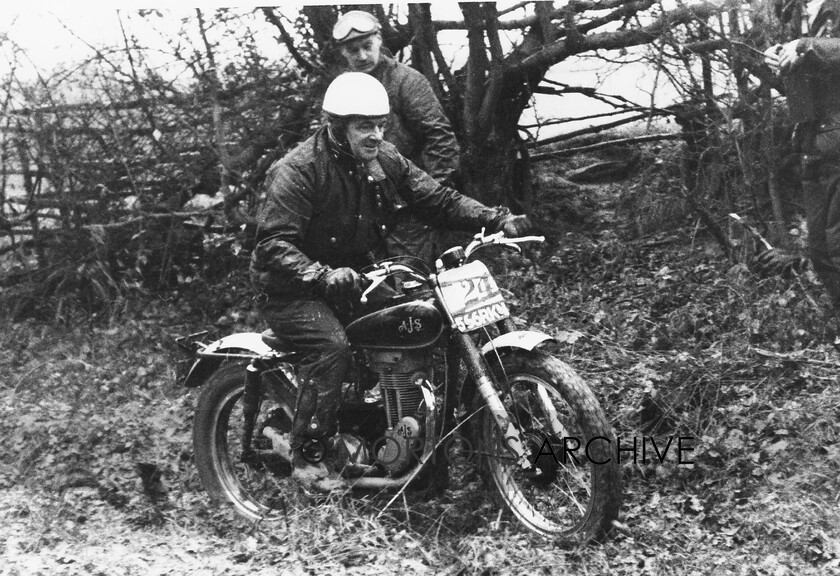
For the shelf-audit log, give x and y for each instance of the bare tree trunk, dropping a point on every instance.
(219, 127)
(768, 155)
(30, 186)
(421, 50)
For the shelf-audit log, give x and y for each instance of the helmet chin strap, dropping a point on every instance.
(342, 145)
(340, 139)
(333, 135)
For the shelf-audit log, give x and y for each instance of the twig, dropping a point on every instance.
(600, 145)
(307, 66)
(794, 357)
(590, 130)
(407, 513)
(24, 376)
(419, 467)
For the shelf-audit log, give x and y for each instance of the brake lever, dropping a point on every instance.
(528, 239)
(514, 242)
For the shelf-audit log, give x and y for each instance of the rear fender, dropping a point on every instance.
(243, 344)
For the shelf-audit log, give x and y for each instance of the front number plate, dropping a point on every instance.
(471, 296)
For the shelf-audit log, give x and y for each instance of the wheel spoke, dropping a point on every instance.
(559, 498)
(250, 484)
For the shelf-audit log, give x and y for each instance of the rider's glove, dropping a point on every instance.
(777, 262)
(340, 284)
(516, 225)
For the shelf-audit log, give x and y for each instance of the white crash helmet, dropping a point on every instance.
(356, 94)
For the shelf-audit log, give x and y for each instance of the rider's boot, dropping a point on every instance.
(319, 476)
(312, 440)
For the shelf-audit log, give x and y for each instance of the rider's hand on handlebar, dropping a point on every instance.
(517, 225)
(341, 284)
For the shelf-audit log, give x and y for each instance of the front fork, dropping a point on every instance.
(251, 398)
(480, 371)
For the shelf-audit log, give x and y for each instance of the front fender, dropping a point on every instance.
(521, 339)
(250, 343)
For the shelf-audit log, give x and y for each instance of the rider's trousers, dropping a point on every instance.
(310, 326)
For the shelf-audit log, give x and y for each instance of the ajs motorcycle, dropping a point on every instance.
(437, 367)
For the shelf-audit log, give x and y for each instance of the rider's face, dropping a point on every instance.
(362, 54)
(364, 135)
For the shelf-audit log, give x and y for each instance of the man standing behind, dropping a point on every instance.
(810, 69)
(417, 127)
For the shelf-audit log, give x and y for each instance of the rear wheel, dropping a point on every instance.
(576, 491)
(253, 485)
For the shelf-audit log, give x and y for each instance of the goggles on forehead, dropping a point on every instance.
(354, 24)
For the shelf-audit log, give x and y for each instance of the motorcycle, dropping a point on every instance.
(437, 365)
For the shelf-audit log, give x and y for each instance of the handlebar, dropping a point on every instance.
(480, 240)
(384, 270)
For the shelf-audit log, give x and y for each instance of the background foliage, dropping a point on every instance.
(138, 169)
(97, 475)
(128, 224)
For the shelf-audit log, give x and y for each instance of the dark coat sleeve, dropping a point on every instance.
(282, 224)
(424, 116)
(436, 204)
(820, 54)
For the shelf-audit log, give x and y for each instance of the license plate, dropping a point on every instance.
(471, 296)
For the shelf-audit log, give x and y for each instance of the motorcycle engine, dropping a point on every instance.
(401, 376)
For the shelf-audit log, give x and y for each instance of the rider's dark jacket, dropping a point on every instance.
(325, 210)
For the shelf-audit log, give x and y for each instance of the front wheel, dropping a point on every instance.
(253, 485)
(574, 487)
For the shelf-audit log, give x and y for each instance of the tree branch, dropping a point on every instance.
(562, 49)
(601, 145)
(567, 119)
(544, 15)
(141, 93)
(515, 7)
(305, 64)
(420, 50)
(321, 19)
(588, 130)
(440, 61)
(476, 66)
(491, 19)
(219, 128)
(577, 7)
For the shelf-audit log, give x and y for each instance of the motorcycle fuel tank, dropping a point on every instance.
(408, 325)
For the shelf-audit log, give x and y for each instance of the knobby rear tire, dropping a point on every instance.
(217, 434)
